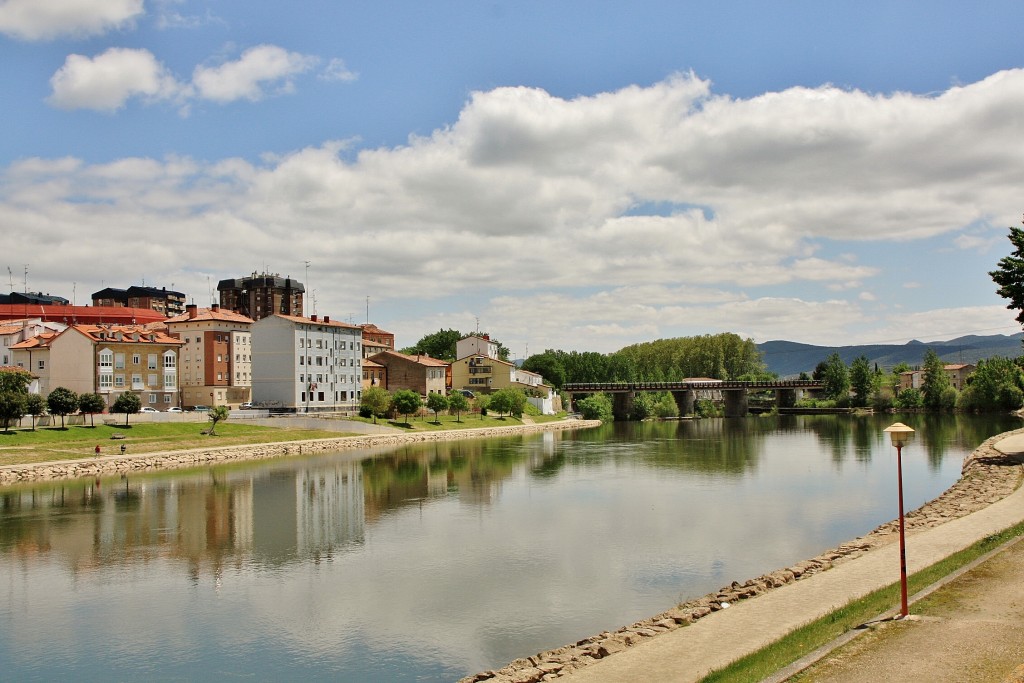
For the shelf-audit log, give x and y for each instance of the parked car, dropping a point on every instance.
(201, 409)
(147, 409)
(175, 409)
(467, 393)
(245, 406)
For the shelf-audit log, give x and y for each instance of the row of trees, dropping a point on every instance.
(377, 402)
(16, 402)
(723, 356)
(996, 384)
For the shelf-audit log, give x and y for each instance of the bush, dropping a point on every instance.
(596, 407)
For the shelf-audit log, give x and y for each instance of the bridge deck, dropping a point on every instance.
(614, 387)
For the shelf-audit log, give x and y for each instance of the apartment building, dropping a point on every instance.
(306, 364)
(216, 358)
(259, 296)
(158, 299)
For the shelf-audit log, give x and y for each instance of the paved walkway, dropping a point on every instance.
(688, 654)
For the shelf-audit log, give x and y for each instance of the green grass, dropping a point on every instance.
(427, 423)
(765, 662)
(79, 441)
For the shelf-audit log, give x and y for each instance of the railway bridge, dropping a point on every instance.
(735, 394)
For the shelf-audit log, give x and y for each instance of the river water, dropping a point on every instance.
(434, 561)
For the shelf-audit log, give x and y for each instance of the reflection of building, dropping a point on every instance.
(258, 296)
(331, 511)
(306, 364)
(216, 360)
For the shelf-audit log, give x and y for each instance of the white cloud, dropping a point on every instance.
(47, 19)
(545, 201)
(107, 81)
(337, 71)
(249, 77)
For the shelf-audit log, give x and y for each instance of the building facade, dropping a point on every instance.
(106, 360)
(161, 300)
(216, 358)
(259, 296)
(422, 374)
(306, 364)
(376, 340)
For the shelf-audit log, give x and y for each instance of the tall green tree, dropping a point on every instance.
(996, 384)
(62, 401)
(836, 378)
(437, 403)
(15, 379)
(407, 402)
(1009, 274)
(458, 403)
(376, 401)
(91, 404)
(127, 403)
(548, 366)
(596, 407)
(35, 406)
(862, 380)
(508, 400)
(13, 405)
(936, 386)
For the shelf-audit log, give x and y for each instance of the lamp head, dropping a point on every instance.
(900, 434)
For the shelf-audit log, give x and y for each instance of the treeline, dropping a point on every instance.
(723, 356)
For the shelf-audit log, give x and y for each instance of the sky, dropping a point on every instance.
(563, 175)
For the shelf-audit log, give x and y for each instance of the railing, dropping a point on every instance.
(613, 387)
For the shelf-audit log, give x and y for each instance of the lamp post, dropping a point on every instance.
(901, 436)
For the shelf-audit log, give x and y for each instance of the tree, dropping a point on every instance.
(836, 378)
(62, 401)
(127, 403)
(458, 402)
(12, 406)
(1010, 274)
(437, 403)
(91, 404)
(548, 366)
(596, 407)
(217, 414)
(508, 400)
(936, 384)
(15, 379)
(862, 380)
(406, 402)
(483, 402)
(376, 401)
(996, 384)
(440, 344)
(35, 406)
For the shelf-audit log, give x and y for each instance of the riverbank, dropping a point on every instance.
(989, 476)
(142, 462)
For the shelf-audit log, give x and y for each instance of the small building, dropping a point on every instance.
(161, 300)
(306, 364)
(376, 340)
(421, 373)
(483, 374)
(374, 374)
(957, 373)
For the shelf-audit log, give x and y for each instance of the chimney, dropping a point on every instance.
(327, 318)
(215, 307)
(313, 317)
(192, 311)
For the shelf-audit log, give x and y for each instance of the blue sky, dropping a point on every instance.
(574, 175)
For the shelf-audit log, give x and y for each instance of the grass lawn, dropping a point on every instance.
(53, 443)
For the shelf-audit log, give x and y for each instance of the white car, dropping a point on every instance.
(147, 409)
(175, 409)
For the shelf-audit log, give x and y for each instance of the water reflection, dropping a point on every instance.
(396, 564)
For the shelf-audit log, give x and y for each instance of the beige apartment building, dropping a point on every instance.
(216, 358)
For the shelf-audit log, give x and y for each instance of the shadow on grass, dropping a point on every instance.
(401, 425)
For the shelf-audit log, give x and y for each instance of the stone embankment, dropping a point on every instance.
(987, 476)
(123, 464)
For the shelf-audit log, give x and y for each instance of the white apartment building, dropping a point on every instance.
(306, 364)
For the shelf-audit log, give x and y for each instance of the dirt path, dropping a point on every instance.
(969, 631)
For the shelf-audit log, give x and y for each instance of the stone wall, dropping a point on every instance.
(122, 464)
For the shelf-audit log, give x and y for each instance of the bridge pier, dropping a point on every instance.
(736, 403)
(787, 398)
(622, 405)
(684, 402)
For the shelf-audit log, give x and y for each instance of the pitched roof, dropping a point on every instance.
(310, 321)
(218, 315)
(130, 334)
(422, 360)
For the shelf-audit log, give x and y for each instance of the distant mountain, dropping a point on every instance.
(789, 359)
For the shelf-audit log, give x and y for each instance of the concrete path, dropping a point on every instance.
(689, 654)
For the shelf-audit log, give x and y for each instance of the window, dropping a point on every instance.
(151, 361)
(42, 364)
(136, 359)
(152, 398)
(342, 346)
(151, 379)
(170, 360)
(118, 381)
(106, 381)
(169, 380)
(119, 361)
(136, 381)
(106, 360)
(167, 398)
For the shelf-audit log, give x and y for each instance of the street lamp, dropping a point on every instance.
(901, 436)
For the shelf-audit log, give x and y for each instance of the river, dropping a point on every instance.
(434, 561)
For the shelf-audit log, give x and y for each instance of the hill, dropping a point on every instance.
(789, 359)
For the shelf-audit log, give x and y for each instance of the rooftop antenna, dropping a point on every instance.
(313, 294)
(209, 290)
(477, 324)
(10, 276)
(367, 310)
(25, 290)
